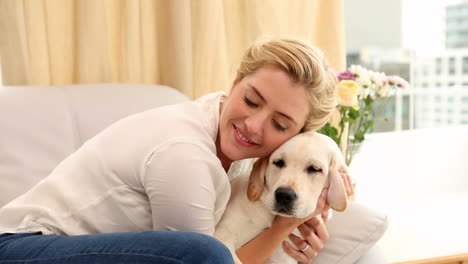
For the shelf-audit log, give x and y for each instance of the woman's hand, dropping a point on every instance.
(314, 232)
(313, 229)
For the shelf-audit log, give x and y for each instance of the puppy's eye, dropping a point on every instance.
(312, 169)
(279, 163)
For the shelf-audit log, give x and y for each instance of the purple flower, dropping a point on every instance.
(346, 75)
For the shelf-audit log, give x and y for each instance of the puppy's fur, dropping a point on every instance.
(287, 183)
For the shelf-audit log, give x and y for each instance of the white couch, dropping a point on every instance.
(420, 179)
(40, 126)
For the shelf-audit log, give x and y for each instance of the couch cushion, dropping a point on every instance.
(352, 233)
(40, 126)
(94, 107)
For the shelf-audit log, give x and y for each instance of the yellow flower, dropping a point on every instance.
(348, 91)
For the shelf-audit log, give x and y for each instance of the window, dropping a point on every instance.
(465, 65)
(451, 65)
(425, 70)
(438, 66)
(439, 85)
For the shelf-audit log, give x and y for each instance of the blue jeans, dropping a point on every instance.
(165, 247)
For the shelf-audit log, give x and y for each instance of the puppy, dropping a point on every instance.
(288, 183)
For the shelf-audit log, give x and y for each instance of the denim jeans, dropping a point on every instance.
(165, 247)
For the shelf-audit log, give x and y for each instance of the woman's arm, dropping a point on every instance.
(259, 249)
(186, 187)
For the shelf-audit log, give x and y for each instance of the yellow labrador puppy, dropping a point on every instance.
(287, 183)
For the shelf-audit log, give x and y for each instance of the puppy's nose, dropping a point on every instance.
(285, 196)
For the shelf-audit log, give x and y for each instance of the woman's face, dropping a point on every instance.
(263, 110)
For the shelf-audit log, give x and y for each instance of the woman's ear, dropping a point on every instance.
(337, 197)
(257, 179)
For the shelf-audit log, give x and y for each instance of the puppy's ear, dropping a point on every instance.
(337, 197)
(257, 179)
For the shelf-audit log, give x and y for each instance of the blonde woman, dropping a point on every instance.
(151, 187)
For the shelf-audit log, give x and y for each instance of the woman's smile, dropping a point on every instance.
(242, 138)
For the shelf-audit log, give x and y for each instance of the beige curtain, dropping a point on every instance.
(194, 46)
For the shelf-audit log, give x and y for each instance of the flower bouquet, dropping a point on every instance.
(358, 88)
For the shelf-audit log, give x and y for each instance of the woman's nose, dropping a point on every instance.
(255, 123)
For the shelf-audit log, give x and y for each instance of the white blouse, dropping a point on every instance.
(155, 170)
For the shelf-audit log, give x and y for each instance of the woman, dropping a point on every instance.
(169, 169)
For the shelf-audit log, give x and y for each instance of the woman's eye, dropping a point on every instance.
(279, 163)
(278, 126)
(250, 103)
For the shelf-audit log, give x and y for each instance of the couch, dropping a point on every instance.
(40, 126)
(419, 178)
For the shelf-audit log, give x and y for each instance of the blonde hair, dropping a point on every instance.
(305, 64)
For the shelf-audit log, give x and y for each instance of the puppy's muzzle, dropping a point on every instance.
(285, 198)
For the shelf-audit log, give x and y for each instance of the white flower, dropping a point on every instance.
(363, 77)
(364, 91)
(379, 78)
(381, 86)
(383, 90)
(357, 69)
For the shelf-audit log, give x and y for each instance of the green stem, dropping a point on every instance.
(342, 123)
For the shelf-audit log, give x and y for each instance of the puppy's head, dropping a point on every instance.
(290, 181)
